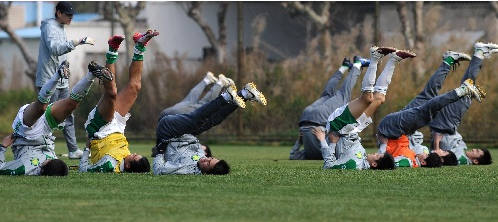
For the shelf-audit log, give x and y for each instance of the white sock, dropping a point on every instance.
(479, 54)
(82, 87)
(385, 77)
(367, 84)
(48, 89)
(343, 69)
(207, 81)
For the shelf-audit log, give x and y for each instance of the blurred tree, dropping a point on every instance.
(4, 25)
(318, 13)
(413, 40)
(218, 45)
(128, 13)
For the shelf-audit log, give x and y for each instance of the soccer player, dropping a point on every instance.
(315, 115)
(444, 125)
(192, 101)
(179, 151)
(32, 141)
(107, 121)
(394, 128)
(53, 50)
(344, 124)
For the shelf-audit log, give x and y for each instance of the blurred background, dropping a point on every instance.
(288, 49)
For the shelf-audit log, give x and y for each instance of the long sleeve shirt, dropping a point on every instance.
(182, 155)
(53, 49)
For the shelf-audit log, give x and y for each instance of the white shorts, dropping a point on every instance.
(40, 128)
(117, 125)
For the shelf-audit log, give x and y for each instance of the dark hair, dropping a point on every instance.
(385, 163)
(220, 168)
(55, 167)
(433, 160)
(450, 159)
(208, 151)
(140, 166)
(485, 159)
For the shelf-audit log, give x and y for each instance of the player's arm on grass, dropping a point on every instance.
(437, 137)
(106, 164)
(295, 153)
(328, 151)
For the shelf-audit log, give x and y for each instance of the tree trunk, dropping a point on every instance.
(4, 25)
(405, 24)
(418, 11)
(219, 45)
(128, 14)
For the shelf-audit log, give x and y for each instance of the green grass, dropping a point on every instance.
(263, 186)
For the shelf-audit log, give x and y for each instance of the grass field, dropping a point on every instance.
(263, 186)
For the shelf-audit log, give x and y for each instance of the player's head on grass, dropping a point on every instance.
(479, 156)
(430, 160)
(448, 158)
(210, 165)
(54, 167)
(135, 163)
(378, 161)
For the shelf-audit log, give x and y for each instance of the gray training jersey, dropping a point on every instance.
(455, 143)
(182, 155)
(348, 153)
(27, 160)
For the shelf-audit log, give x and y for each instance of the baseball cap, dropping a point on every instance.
(65, 7)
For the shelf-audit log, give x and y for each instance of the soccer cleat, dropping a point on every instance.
(472, 91)
(100, 72)
(457, 56)
(115, 41)
(144, 37)
(63, 70)
(364, 62)
(379, 52)
(487, 49)
(234, 98)
(254, 94)
(226, 81)
(346, 62)
(402, 54)
(210, 76)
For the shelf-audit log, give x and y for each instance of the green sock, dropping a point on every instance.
(449, 60)
(111, 55)
(138, 52)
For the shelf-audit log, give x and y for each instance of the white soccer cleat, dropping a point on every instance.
(211, 78)
(254, 94)
(234, 98)
(486, 48)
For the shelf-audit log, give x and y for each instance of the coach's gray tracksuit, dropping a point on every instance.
(191, 101)
(177, 133)
(316, 114)
(53, 50)
(28, 157)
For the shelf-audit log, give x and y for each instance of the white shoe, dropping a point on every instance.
(226, 81)
(211, 78)
(234, 98)
(76, 154)
(486, 48)
(457, 56)
(472, 90)
(254, 94)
